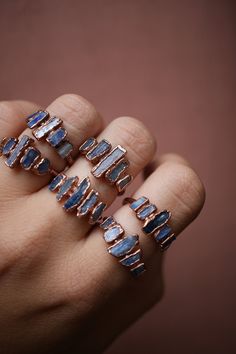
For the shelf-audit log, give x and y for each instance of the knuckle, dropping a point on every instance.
(190, 190)
(81, 114)
(137, 138)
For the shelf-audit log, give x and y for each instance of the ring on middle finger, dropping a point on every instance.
(109, 163)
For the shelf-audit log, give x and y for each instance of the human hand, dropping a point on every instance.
(60, 291)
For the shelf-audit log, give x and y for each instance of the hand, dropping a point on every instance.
(60, 291)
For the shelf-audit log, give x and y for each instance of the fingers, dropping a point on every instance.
(140, 146)
(12, 114)
(81, 120)
(173, 186)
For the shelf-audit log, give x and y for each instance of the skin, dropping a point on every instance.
(60, 291)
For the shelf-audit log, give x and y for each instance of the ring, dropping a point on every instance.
(51, 129)
(78, 195)
(109, 163)
(155, 222)
(125, 248)
(22, 151)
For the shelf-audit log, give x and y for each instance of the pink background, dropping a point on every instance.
(171, 64)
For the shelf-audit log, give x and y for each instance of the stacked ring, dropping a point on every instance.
(78, 195)
(22, 151)
(125, 248)
(109, 163)
(155, 223)
(51, 129)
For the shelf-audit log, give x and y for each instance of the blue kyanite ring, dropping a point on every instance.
(123, 247)
(154, 222)
(51, 130)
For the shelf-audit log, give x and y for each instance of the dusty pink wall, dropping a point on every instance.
(172, 64)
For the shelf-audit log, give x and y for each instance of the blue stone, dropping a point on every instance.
(108, 161)
(139, 203)
(37, 118)
(113, 233)
(122, 183)
(156, 221)
(56, 182)
(137, 271)
(163, 233)
(124, 246)
(109, 221)
(46, 128)
(131, 259)
(97, 212)
(29, 158)
(146, 211)
(66, 187)
(88, 203)
(167, 242)
(76, 198)
(113, 174)
(99, 150)
(56, 137)
(87, 145)
(43, 167)
(8, 146)
(23, 143)
(64, 149)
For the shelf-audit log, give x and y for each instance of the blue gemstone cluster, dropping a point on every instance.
(51, 129)
(110, 163)
(21, 151)
(155, 223)
(123, 247)
(78, 195)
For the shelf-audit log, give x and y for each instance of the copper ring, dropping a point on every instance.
(78, 196)
(51, 129)
(155, 222)
(123, 247)
(110, 164)
(22, 151)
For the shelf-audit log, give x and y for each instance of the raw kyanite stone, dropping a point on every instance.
(137, 204)
(76, 198)
(109, 221)
(122, 183)
(163, 233)
(98, 150)
(8, 146)
(108, 161)
(37, 118)
(56, 137)
(123, 246)
(29, 158)
(113, 233)
(19, 149)
(114, 173)
(156, 222)
(56, 182)
(146, 211)
(131, 259)
(46, 128)
(97, 212)
(66, 187)
(88, 203)
(167, 242)
(64, 149)
(87, 145)
(138, 270)
(43, 166)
